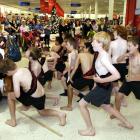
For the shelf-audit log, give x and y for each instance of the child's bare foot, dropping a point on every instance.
(128, 125)
(62, 118)
(67, 108)
(87, 132)
(11, 123)
(23, 108)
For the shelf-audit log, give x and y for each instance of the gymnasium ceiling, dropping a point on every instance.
(65, 4)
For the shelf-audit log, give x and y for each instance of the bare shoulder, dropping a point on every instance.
(21, 72)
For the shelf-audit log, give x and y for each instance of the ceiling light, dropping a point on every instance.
(74, 4)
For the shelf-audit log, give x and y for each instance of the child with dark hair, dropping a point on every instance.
(132, 83)
(28, 91)
(117, 48)
(83, 67)
(72, 56)
(39, 66)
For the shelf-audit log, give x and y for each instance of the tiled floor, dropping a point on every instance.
(106, 129)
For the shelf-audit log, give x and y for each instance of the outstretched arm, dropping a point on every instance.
(16, 84)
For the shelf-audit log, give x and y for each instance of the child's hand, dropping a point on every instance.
(97, 79)
(127, 56)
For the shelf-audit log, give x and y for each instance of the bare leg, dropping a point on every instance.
(89, 131)
(50, 112)
(118, 98)
(70, 97)
(63, 81)
(12, 108)
(116, 90)
(118, 115)
(59, 75)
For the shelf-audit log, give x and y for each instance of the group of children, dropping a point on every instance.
(98, 65)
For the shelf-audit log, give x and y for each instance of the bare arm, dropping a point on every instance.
(16, 84)
(69, 64)
(123, 57)
(36, 71)
(76, 66)
(114, 73)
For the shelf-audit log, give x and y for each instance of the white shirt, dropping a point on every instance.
(103, 64)
(95, 27)
(117, 49)
(78, 30)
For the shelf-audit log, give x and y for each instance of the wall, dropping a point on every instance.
(5, 10)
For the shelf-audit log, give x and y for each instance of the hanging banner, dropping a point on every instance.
(130, 11)
(51, 4)
(44, 6)
(47, 7)
(59, 10)
(75, 4)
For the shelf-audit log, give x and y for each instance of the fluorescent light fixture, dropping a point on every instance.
(75, 4)
(23, 3)
(73, 12)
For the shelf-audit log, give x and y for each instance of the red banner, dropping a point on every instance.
(130, 11)
(59, 10)
(51, 6)
(46, 7)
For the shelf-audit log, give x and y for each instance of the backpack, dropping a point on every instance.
(13, 51)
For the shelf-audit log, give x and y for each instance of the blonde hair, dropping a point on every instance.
(103, 38)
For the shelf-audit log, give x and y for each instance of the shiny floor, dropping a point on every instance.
(28, 127)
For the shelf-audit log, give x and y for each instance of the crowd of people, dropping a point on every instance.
(87, 54)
